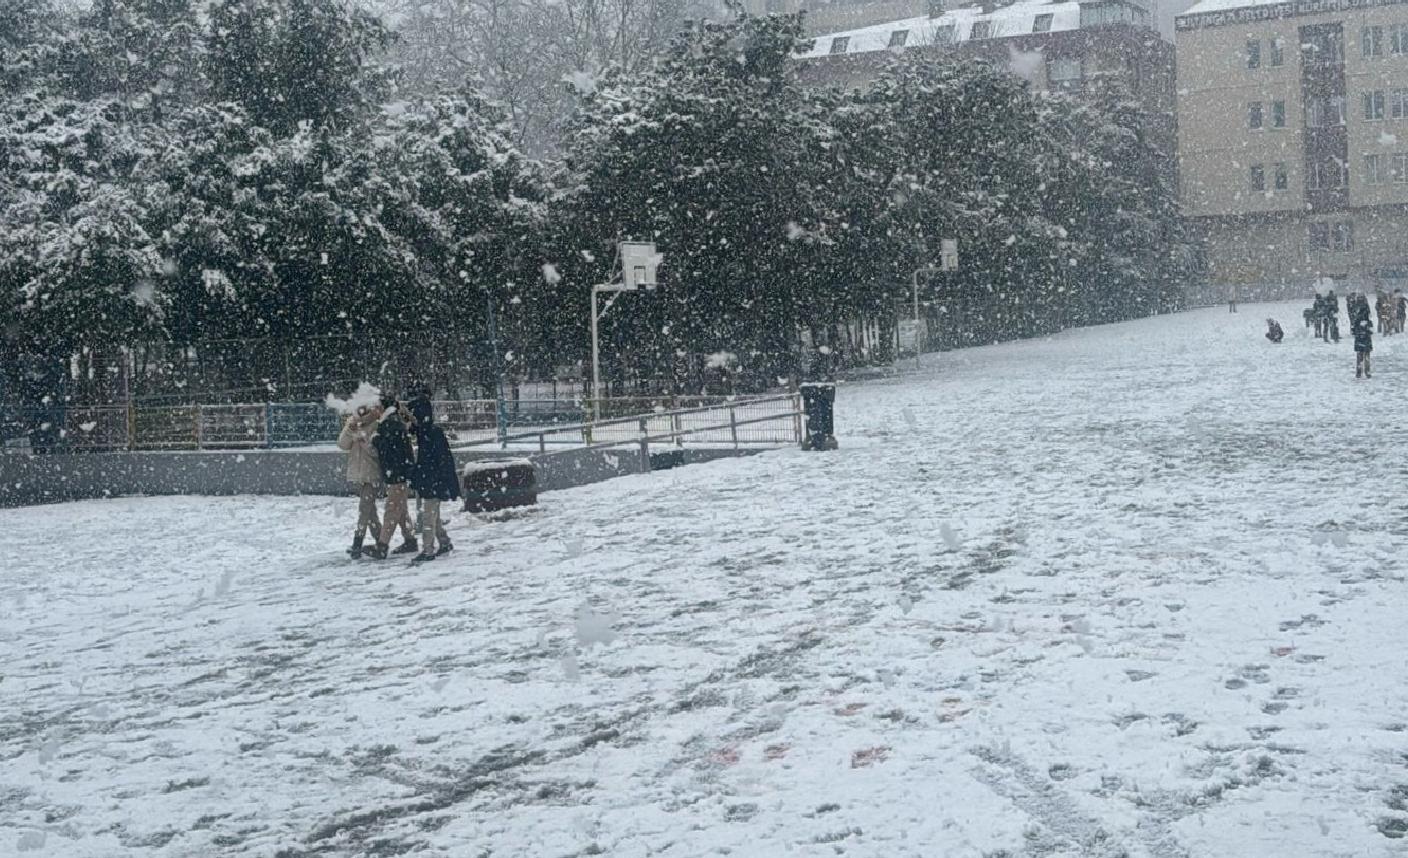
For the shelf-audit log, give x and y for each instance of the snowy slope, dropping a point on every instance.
(1134, 590)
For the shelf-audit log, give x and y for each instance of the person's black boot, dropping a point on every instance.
(376, 552)
(356, 550)
(406, 547)
(422, 558)
(445, 547)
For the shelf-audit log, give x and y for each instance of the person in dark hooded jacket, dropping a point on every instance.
(393, 448)
(434, 479)
(1363, 347)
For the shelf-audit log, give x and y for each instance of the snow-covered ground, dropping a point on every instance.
(1128, 591)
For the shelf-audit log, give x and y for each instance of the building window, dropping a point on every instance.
(1400, 168)
(945, 35)
(1325, 175)
(1042, 24)
(838, 44)
(1278, 114)
(1332, 236)
(1323, 46)
(898, 38)
(981, 30)
(1064, 73)
(1371, 39)
(1373, 105)
(1283, 178)
(1258, 177)
(1398, 103)
(1253, 53)
(1342, 236)
(1101, 14)
(1324, 112)
(1254, 115)
(1398, 39)
(1278, 52)
(1374, 173)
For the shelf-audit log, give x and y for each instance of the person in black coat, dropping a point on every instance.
(1273, 331)
(1363, 346)
(434, 479)
(393, 448)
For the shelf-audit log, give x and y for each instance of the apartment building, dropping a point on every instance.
(1063, 45)
(1293, 139)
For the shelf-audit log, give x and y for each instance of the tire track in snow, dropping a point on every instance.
(1063, 825)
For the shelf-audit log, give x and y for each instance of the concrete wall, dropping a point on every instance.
(1256, 253)
(28, 479)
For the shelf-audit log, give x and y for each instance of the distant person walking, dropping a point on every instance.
(1400, 306)
(433, 478)
(1232, 300)
(1332, 317)
(363, 471)
(393, 448)
(1363, 347)
(1273, 331)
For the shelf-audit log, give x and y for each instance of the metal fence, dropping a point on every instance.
(741, 421)
(509, 423)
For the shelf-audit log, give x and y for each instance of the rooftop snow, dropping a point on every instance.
(1019, 19)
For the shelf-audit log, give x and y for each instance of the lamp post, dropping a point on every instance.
(927, 269)
(500, 408)
(948, 256)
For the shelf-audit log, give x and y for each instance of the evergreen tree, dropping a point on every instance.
(290, 62)
(708, 155)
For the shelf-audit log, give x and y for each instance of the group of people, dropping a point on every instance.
(1323, 316)
(1392, 311)
(398, 448)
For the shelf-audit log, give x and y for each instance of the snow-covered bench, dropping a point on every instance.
(494, 485)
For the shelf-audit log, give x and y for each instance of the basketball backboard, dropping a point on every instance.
(638, 263)
(948, 254)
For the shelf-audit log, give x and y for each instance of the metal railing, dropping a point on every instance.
(541, 423)
(736, 422)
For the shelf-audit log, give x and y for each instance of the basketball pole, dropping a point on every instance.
(633, 277)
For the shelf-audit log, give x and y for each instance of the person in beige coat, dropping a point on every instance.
(363, 471)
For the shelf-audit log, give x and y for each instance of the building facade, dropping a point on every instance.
(1063, 46)
(1293, 140)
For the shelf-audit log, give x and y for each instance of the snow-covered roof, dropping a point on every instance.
(1018, 19)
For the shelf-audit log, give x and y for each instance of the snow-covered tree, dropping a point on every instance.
(295, 62)
(711, 155)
